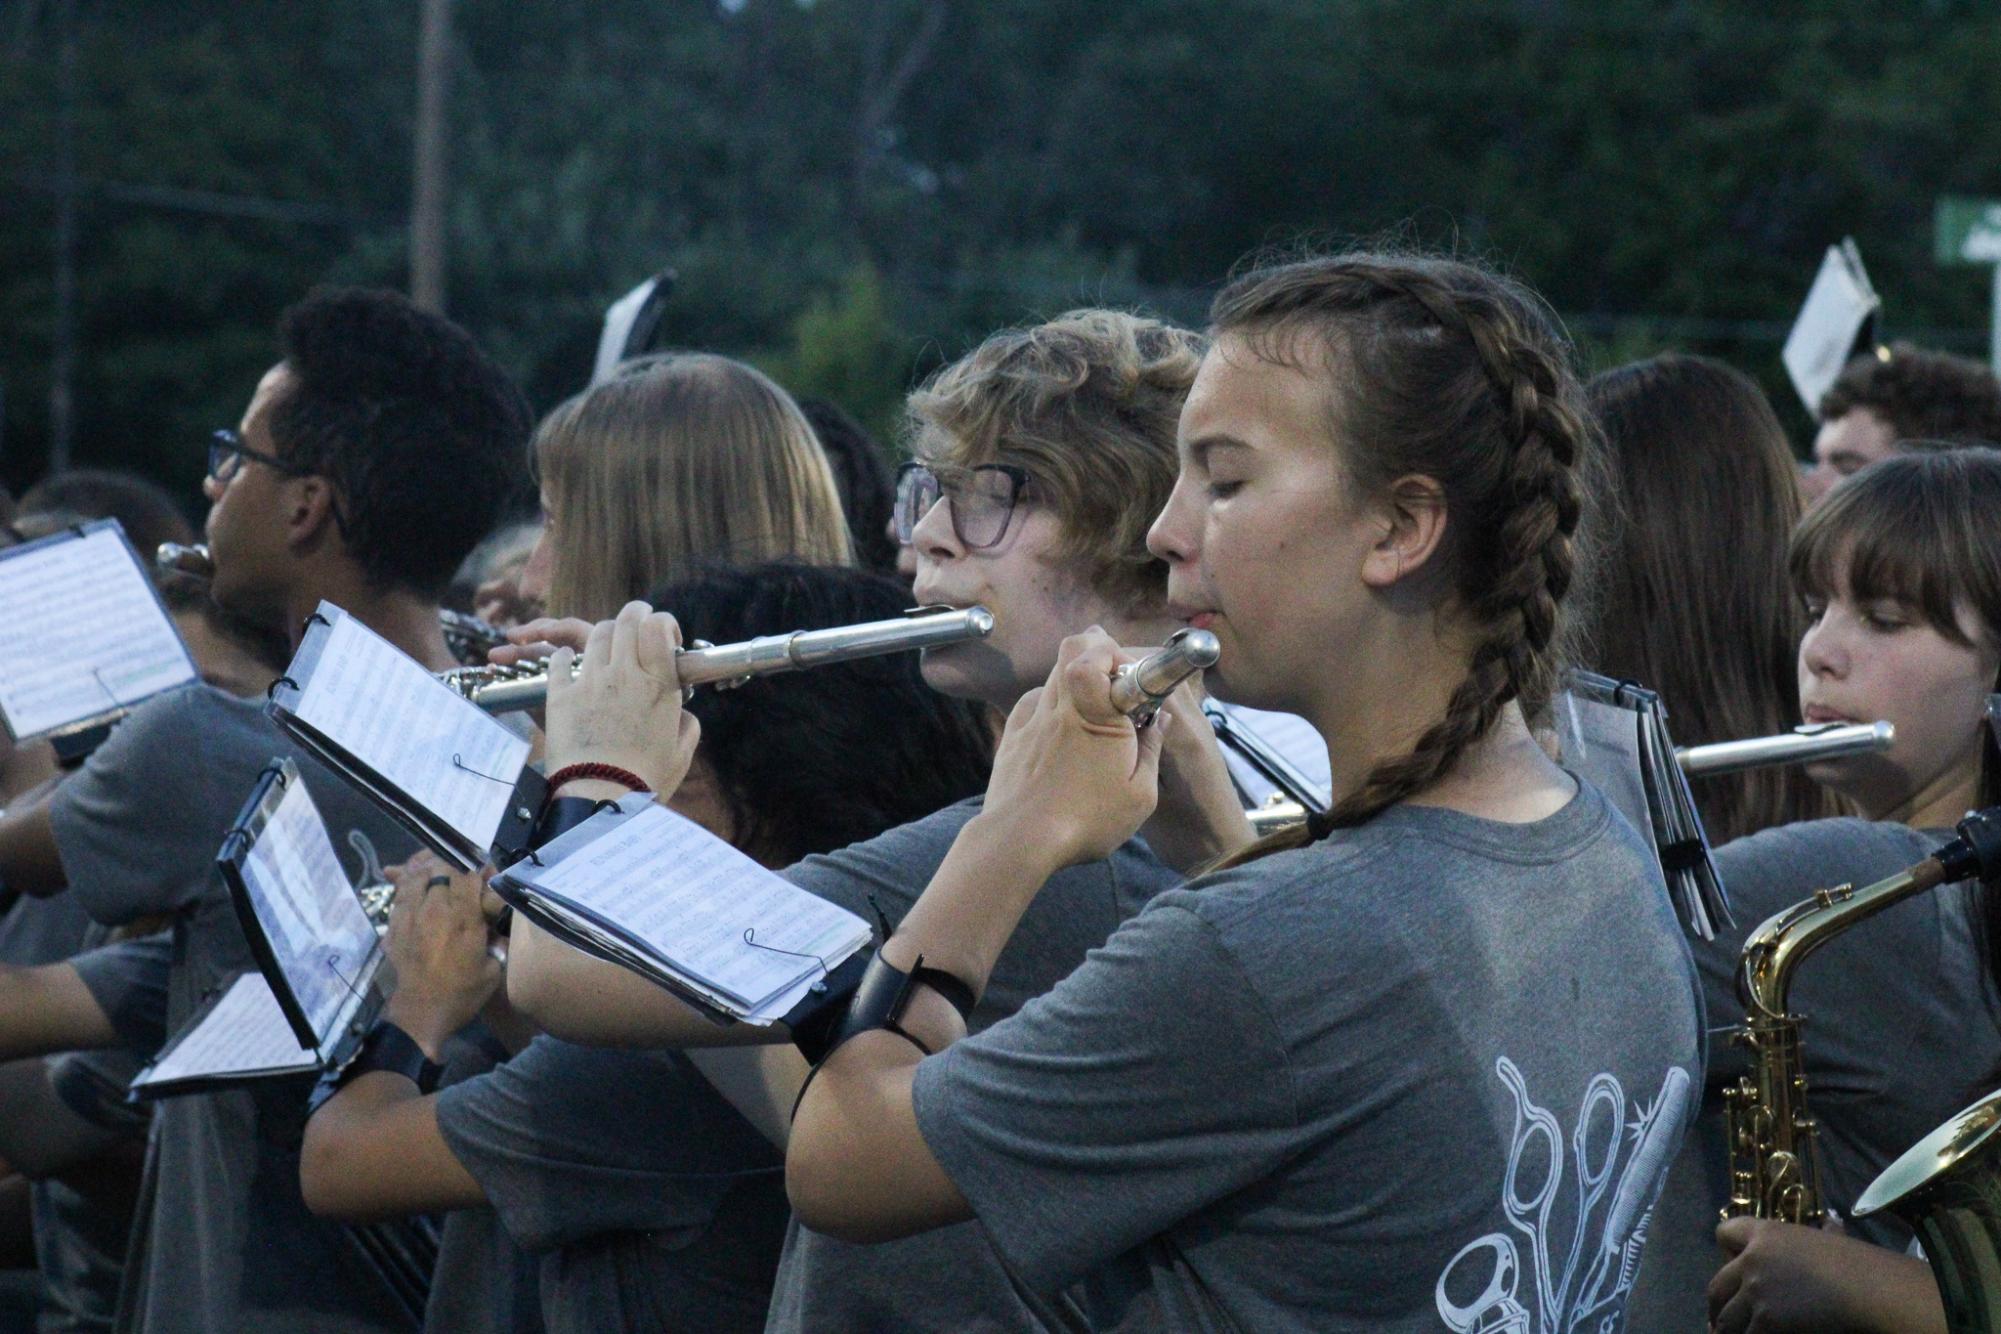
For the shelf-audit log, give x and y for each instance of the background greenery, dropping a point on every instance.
(852, 190)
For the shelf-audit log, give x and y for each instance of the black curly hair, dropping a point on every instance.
(1922, 395)
(862, 476)
(421, 434)
(813, 761)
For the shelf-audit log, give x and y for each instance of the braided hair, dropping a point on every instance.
(1447, 370)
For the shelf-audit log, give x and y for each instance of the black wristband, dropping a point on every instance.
(386, 1047)
(877, 999)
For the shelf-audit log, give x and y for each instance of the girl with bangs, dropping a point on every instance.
(1900, 572)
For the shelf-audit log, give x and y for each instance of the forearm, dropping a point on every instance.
(1901, 1298)
(975, 900)
(48, 1009)
(374, 1151)
(856, 1164)
(1189, 837)
(30, 862)
(581, 998)
(40, 1136)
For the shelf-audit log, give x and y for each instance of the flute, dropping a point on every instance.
(526, 686)
(1803, 745)
(1140, 688)
(468, 637)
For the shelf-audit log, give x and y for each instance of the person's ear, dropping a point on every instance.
(309, 505)
(1410, 519)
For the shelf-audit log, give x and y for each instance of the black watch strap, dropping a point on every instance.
(386, 1047)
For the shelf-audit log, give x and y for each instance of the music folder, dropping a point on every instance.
(434, 761)
(656, 893)
(87, 637)
(314, 993)
(1615, 734)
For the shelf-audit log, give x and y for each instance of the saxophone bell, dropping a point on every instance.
(1947, 1189)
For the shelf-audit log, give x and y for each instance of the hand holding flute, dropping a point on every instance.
(1075, 775)
(618, 704)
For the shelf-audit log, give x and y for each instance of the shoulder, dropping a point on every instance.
(1776, 867)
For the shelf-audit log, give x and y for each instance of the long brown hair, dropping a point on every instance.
(1440, 367)
(1919, 529)
(678, 461)
(1693, 599)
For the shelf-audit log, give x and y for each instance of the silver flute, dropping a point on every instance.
(468, 637)
(1803, 745)
(526, 686)
(1142, 687)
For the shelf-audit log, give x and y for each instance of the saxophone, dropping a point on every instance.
(1772, 1140)
(1947, 1189)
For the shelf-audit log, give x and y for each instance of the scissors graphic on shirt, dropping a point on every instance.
(1527, 1199)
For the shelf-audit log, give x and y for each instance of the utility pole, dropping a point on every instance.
(428, 191)
(62, 368)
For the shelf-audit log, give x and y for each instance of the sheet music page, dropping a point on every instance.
(85, 635)
(245, 1032)
(392, 715)
(1288, 734)
(313, 920)
(1837, 304)
(699, 903)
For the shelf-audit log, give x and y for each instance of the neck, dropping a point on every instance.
(1376, 705)
(1372, 706)
(404, 618)
(1940, 803)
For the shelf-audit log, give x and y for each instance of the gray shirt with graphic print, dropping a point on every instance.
(1422, 1075)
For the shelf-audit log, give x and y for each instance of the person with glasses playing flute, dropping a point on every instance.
(369, 462)
(1295, 1096)
(1040, 457)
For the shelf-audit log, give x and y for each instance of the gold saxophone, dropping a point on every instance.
(1947, 1189)
(1773, 1141)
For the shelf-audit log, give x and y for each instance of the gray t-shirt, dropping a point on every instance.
(79, 1236)
(1421, 1075)
(1902, 1028)
(223, 1239)
(950, 1279)
(654, 1203)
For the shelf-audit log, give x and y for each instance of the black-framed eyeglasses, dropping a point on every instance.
(982, 499)
(226, 446)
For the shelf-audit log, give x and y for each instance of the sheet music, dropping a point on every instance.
(85, 635)
(1292, 737)
(313, 920)
(694, 899)
(1838, 304)
(381, 706)
(245, 1033)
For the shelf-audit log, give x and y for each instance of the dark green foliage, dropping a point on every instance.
(854, 190)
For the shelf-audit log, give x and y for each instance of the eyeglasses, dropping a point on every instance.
(226, 446)
(981, 500)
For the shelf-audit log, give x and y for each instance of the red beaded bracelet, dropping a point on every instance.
(609, 773)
